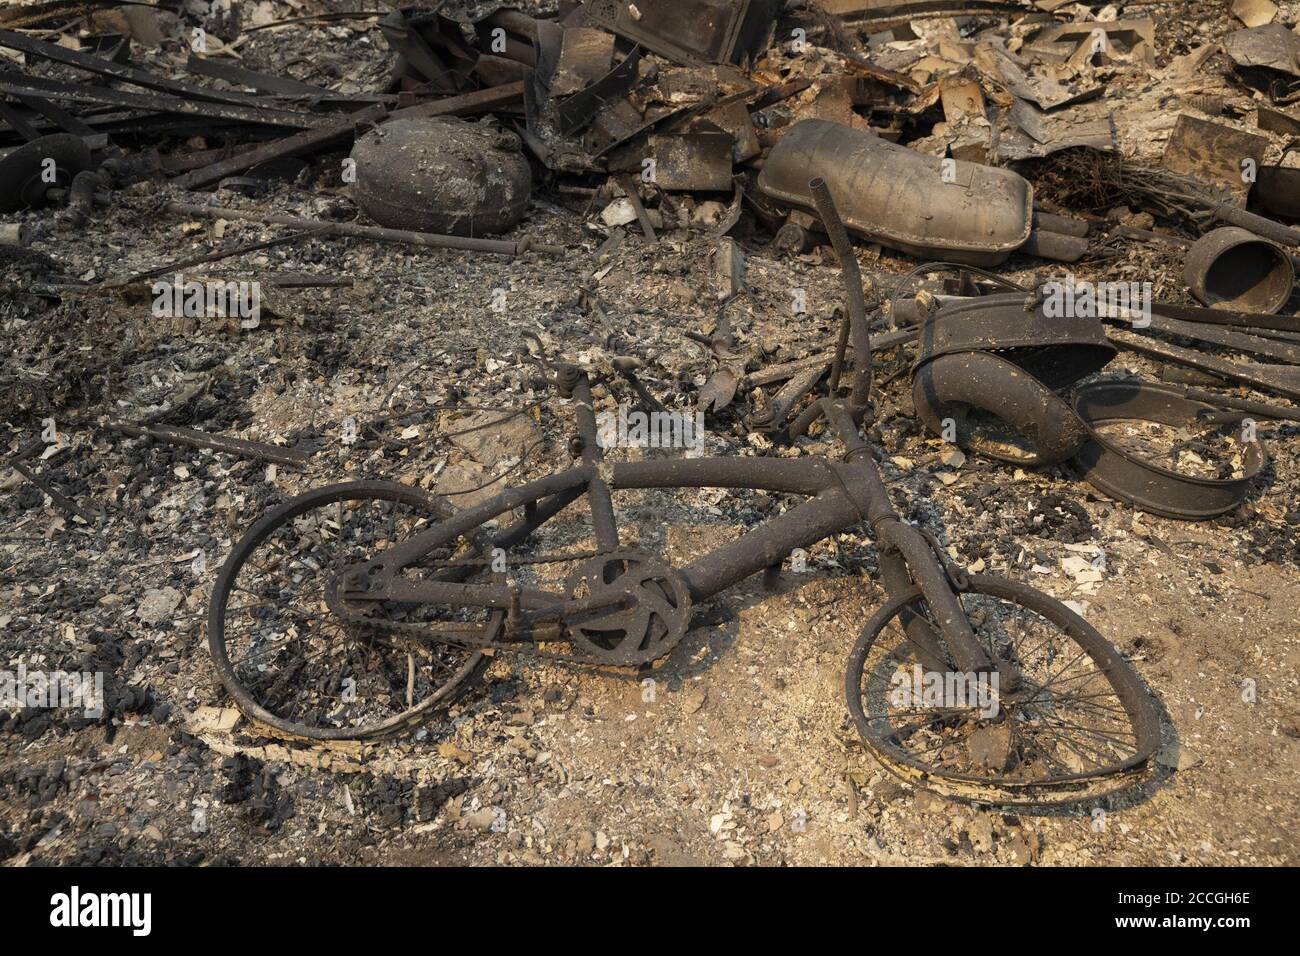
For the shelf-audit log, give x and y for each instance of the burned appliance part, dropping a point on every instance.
(1002, 355)
(1056, 351)
(1277, 187)
(442, 175)
(909, 201)
(692, 32)
(947, 391)
(1110, 468)
(30, 171)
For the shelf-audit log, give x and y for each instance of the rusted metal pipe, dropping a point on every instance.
(855, 297)
(427, 239)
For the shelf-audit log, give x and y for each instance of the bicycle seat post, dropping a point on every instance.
(572, 381)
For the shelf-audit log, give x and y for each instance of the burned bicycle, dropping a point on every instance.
(356, 609)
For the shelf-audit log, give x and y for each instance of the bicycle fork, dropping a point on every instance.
(907, 558)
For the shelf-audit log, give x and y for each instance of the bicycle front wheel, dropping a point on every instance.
(1076, 713)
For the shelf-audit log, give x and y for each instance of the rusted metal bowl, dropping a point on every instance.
(907, 200)
(1278, 191)
(1277, 188)
(443, 175)
(1232, 268)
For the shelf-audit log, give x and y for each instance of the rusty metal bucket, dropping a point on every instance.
(1231, 268)
(922, 205)
(1278, 188)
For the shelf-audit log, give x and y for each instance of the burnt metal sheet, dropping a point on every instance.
(581, 108)
(1213, 153)
(901, 198)
(1273, 47)
(1140, 481)
(735, 119)
(541, 131)
(692, 32)
(616, 123)
(585, 57)
(695, 160)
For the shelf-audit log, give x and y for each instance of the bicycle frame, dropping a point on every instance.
(623, 608)
(842, 495)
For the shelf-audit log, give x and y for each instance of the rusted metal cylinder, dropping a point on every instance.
(1278, 191)
(14, 234)
(441, 174)
(1231, 268)
(1056, 246)
(1050, 222)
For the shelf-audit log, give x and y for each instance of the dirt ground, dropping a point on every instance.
(738, 749)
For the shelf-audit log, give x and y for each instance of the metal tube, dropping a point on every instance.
(854, 296)
(603, 522)
(429, 239)
(770, 543)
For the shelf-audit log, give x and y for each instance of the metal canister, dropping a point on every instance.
(1232, 268)
(443, 175)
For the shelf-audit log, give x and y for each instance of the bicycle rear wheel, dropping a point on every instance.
(1077, 715)
(302, 663)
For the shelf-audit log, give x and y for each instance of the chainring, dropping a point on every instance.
(656, 619)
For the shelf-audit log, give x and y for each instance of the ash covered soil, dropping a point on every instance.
(744, 752)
